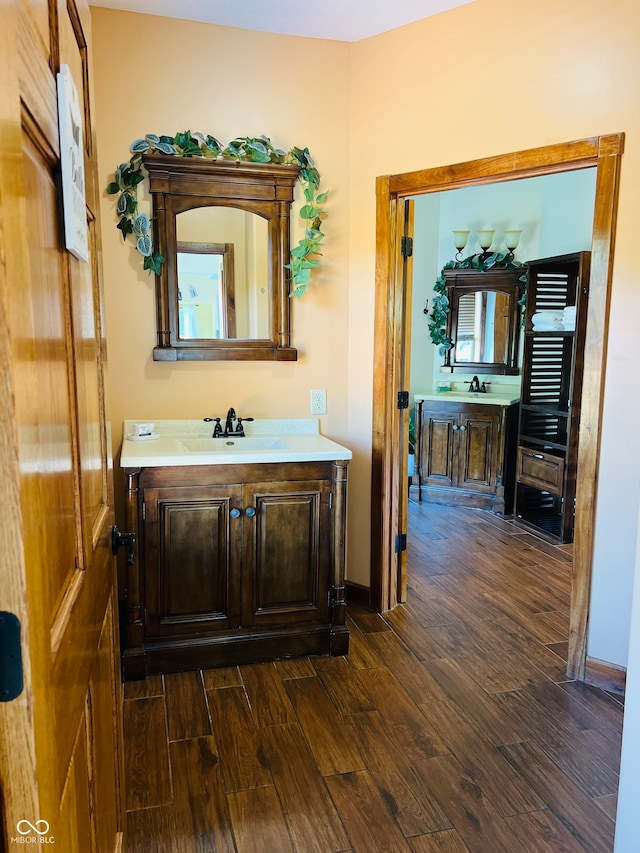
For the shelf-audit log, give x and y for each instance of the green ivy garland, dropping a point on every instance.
(253, 150)
(437, 324)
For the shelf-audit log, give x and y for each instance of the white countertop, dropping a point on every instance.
(190, 442)
(487, 399)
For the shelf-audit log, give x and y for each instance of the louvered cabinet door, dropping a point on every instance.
(551, 391)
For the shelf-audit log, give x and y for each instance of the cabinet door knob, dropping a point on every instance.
(462, 428)
(249, 512)
(455, 427)
(235, 513)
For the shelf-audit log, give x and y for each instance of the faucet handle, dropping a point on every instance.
(217, 430)
(239, 428)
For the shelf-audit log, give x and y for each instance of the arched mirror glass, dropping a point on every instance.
(223, 228)
(223, 274)
(484, 320)
(482, 328)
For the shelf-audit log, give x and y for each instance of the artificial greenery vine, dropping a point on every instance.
(437, 324)
(253, 150)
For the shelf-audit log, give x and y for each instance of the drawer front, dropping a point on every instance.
(542, 470)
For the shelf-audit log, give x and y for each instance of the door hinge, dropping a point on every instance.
(330, 500)
(11, 680)
(144, 510)
(406, 247)
(403, 399)
(401, 542)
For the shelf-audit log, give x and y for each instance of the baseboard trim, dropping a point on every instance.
(357, 594)
(607, 676)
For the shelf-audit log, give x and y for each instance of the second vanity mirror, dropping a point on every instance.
(223, 228)
(484, 320)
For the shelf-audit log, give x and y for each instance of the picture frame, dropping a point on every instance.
(72, 166)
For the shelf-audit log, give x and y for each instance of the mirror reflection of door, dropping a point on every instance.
(206, 290)
(482, 327)
(223, 274)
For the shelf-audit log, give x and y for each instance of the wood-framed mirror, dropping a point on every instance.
(224, 229)
(483, 323)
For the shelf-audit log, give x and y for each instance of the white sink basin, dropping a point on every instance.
(189, 442)
(488, 399)
(232, 444)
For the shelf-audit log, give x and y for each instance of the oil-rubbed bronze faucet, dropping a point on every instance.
(229, 429)
(474, 385)
(228, 424)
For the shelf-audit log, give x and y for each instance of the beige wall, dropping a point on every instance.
(158, 75)
(487, 78)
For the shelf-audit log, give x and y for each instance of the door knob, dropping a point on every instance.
(249, 512)
(119, 539)
(235, 513)
(455, 427)
(462, 428)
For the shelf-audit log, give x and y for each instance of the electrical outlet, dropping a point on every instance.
(319, 402)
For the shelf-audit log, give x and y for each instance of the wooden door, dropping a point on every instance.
(405, 225)
(286, 559)
(192, 560)
(60, 738)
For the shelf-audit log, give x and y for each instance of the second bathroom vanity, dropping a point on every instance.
(240, 545)
(466, 446)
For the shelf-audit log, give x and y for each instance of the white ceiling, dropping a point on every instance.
(341, 20)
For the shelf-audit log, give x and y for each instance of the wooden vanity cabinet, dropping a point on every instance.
(466, 453)
(234, 564)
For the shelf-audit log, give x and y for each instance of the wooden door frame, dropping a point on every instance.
(602, 152)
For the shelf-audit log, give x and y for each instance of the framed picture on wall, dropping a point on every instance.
(72, 166)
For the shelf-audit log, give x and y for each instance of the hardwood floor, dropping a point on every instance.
(450, 726)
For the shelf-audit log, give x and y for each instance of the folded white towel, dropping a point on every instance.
(547, 324)
(556, 316)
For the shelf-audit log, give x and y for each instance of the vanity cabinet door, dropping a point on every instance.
(192, 559)
(439, 462)
(476, 436)
(286, 552)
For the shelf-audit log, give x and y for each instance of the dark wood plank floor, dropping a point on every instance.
(450, 726)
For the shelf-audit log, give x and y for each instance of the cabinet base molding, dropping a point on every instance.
(548, 528)
(173, 655)
(460, 497)
(607, 676)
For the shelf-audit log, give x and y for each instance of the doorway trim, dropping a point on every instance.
(387, 500)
